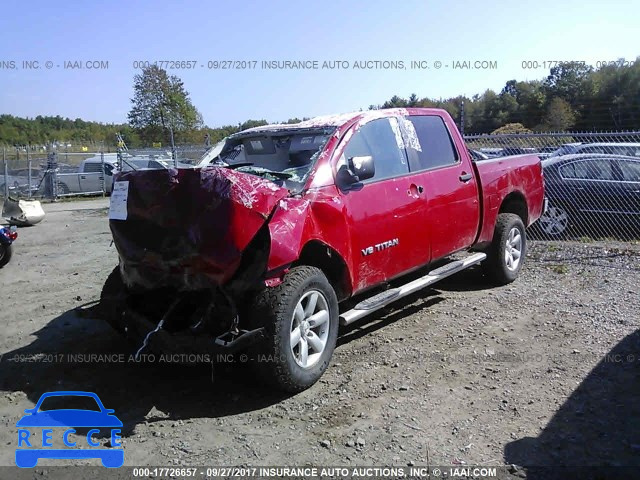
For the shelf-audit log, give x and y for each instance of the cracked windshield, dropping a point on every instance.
(284, 158)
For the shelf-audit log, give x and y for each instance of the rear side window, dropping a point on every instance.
(378, 139)
(630, 171)
(91, 167)
(434, 147)
(633, 152)
(588, 170)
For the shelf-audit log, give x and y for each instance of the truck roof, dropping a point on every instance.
(335, 120)
(108, 158)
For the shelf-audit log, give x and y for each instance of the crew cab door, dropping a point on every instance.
(450, 201)
(591, 186)
(386, 220)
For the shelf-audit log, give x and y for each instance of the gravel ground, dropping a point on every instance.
(540, 372)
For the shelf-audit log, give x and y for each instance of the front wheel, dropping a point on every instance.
(300, 317)
(506, 253)
(112, 297)
(5, 254)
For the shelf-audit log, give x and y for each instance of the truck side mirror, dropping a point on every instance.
(350, 176)
(362, 167)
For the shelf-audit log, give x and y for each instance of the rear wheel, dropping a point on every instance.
(5, 254)
(300, 317)
(554, 222)
(62, 189)
(506, 253)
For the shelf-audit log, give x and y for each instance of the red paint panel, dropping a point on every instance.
(499, 178)
(190, 222)
(453, 209)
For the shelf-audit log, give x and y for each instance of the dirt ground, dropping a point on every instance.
(544, 371)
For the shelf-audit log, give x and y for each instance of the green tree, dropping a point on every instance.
(511, 128)
(560, 117)
(530, 101)
(395, 102)
(569, 81)
(251, 123)
(161, 102)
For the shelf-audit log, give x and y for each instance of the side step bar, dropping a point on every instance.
(382, 299)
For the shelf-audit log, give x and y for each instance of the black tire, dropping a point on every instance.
(555, 222)
(497, 265)
(62, 189)
(6, 251)
(112, 297)
(274, 308)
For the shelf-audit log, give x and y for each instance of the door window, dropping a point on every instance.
(434, 146)
(378, 140)
(588, 170)
(92, 167)
(630, 171)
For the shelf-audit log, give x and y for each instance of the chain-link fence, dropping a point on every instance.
(157, 158)
(592, 180)
(58, 171)
(49, 173)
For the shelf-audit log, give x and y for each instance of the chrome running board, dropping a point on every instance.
(371, 304)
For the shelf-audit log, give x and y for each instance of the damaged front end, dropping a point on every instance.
(193, 246)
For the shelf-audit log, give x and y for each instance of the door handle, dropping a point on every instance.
(415, 190)
(465, 177)
(83, 177)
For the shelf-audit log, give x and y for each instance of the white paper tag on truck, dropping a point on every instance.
(118, 205)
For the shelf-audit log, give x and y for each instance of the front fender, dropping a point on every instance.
(286, 229)
(297, 221)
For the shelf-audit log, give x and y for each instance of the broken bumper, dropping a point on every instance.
(137, 327)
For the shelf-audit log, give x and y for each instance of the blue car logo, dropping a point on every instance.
(32, 447)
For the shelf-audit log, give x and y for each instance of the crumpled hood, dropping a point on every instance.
(188, 227)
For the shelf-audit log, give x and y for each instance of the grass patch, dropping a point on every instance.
(560, 269)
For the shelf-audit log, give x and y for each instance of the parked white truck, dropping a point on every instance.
(93, 175)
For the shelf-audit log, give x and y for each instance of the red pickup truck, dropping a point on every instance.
(284, 232)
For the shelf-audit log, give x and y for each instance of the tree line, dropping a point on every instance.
(573, 97)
